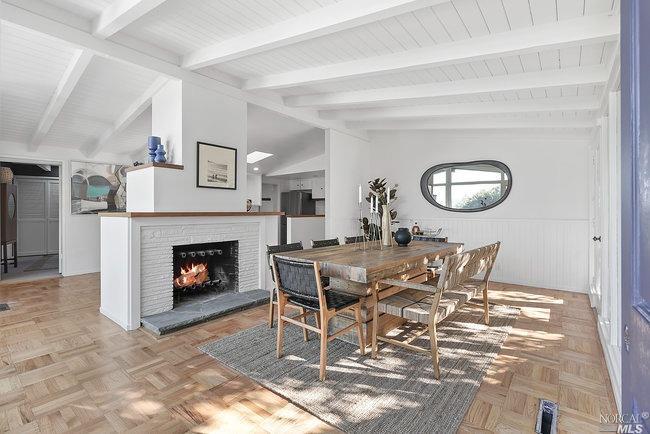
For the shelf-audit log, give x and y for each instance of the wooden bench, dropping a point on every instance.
(434, 300)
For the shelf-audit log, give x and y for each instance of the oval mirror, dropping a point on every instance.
(467, 187)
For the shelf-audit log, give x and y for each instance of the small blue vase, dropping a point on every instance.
(160, 154)
(152, 145)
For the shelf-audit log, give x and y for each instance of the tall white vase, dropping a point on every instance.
(386, 235)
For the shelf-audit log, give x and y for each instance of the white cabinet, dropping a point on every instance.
(318, 188)
(316, 185)
(300, 184)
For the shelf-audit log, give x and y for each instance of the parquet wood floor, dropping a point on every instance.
(65, 367)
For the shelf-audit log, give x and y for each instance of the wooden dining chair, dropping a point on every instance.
(433, 301)
(299, 283)
(273, 300)
(355, 239)
(315, 244)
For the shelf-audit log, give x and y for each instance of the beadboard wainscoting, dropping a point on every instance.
(544, 253)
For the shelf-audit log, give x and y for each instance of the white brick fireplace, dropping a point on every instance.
(156, 242)
(136, 256)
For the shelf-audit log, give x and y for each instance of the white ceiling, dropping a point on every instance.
(289, 140)
(67, 78)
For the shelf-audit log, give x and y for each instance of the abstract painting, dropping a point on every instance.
(97, 187)
(216, 166)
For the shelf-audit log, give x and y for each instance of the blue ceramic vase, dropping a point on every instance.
(152, 145)
(403, 237)
(160, 154)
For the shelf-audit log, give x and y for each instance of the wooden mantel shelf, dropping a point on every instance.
(190, 214)
(163, 165)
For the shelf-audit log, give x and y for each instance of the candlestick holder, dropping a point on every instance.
(361, 232)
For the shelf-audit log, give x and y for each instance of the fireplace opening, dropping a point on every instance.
(202, 270)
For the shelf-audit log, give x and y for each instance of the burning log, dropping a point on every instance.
(192, 274)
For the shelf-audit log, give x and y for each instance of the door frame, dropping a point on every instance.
(62, 171)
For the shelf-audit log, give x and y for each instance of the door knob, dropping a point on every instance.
(597, 238)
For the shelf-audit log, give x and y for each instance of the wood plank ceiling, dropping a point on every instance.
(350, 64)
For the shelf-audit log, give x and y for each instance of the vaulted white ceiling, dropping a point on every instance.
(69, 79)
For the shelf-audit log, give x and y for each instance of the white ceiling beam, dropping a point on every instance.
(68, 82)
(553, 36)
(424, 93)
(25, 18)
(120, 14)
(320, 22)
(127, 117)
(477, 123)
(464, 109)
(613, 82)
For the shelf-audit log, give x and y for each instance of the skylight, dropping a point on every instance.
(256, 156)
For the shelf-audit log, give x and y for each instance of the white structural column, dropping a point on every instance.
(465, 109)
(552, 36)
(504, 83)
(66, 85)
(120, 14)
(324, 21)
(126, 118)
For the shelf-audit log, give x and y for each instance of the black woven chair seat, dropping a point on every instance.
(335, 300)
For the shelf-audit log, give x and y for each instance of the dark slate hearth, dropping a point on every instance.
(191, 313)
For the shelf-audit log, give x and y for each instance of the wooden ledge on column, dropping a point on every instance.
(162, 165)
(134, 214)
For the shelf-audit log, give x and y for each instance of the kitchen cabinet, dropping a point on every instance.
(315, 185)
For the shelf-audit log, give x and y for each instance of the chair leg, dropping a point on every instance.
(362, 341)
(15, 250)
(303, 320)
(323, 346)
(317, 319)
(281, 305)
(271, 309)
(434, 349)
(375, 323)
(486, 306)
(5, 259)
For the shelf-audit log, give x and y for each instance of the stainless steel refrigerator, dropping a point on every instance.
(297, 202)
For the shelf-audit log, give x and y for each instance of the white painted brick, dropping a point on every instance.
(156, 261)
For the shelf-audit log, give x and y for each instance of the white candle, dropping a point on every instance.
(360, 194)
(388, 196)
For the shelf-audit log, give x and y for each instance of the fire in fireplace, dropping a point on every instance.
(205, 268)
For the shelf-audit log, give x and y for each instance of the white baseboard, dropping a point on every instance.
(613, 362)
(127, 327)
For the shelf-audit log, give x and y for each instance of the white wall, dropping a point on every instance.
(254, 187)
(80, 234)
(348, 164)
(305, 229)
(208, 117)
(543, 224)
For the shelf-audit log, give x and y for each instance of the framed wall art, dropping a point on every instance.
(216, 166)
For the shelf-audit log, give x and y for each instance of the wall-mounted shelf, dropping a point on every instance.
(163, 165)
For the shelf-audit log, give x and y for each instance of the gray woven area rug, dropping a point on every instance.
(395, 393)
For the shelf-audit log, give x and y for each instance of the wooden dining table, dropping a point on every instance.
(358, 272)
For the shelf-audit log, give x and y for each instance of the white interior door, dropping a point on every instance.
(600, 213)
(38, 216)
(595, 249)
